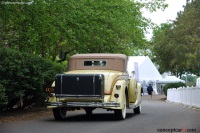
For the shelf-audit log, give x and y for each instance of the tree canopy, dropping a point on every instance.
(76, 26)
(176, 45)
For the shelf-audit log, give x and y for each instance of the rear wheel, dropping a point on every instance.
(120, 114)
(137, 110)
(59, 113)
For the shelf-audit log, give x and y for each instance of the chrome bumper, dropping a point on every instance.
(83, 104)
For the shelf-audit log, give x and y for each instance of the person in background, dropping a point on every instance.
(150, 90)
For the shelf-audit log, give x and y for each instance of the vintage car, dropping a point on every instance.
(95, 81)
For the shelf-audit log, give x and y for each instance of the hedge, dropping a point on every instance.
(173, 85)
(23, 77)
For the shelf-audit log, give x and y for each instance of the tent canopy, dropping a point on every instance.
(146, 69)
(170, 79)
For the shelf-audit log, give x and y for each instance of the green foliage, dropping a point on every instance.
(190, 79)
(176, 45)
(82, 26)
(3, 97)
(25, 75)
(154, 5)
(173, 85)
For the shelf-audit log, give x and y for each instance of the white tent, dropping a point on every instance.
(170, 79)
(146, 69)
(166, 80)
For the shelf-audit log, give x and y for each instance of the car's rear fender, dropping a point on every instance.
(118, 93)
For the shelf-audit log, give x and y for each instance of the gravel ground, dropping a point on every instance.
(26, 114)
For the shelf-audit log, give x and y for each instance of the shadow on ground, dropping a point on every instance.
(96, 117)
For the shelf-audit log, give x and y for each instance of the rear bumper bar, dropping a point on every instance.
(83, 104)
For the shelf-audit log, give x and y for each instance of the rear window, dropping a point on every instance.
(94, 63)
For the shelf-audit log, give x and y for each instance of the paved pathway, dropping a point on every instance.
(157, 116)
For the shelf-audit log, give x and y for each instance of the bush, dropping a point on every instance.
(3, 98)
(173, 85)
(23, 76)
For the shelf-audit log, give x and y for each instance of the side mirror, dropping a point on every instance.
(62, 56)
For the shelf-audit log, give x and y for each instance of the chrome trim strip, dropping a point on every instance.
(83, 104)
(66, 95)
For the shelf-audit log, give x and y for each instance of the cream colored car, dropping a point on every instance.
(95, 81)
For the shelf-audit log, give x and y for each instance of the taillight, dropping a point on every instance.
(118, 87)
